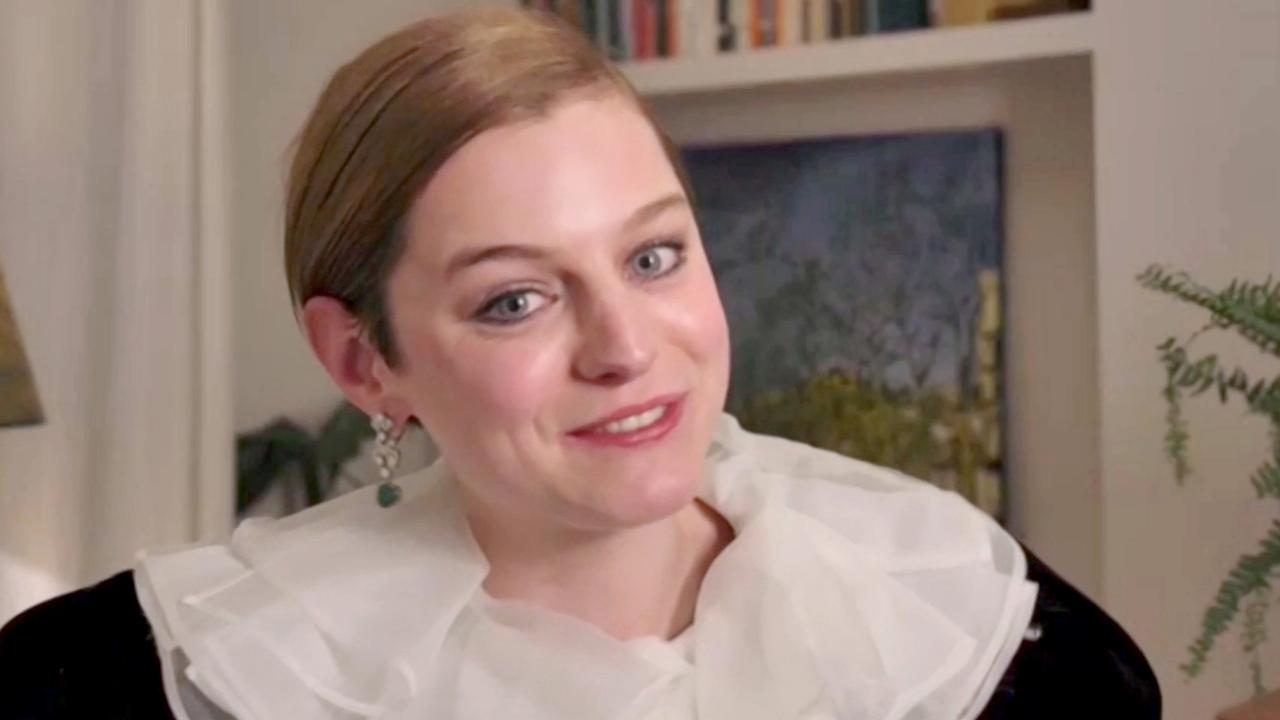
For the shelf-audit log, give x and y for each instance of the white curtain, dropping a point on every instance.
(113, 244)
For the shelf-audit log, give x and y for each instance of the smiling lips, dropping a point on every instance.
(635, 425)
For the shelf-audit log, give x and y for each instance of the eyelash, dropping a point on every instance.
(676, 244)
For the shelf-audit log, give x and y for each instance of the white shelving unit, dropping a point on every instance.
(917, 51)
(1033, 79)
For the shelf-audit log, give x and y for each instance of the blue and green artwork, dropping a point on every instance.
(862, 281)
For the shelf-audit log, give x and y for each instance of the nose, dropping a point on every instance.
(617, 344)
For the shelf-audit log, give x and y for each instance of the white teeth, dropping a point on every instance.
(635, 422)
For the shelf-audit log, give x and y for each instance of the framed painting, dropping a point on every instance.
(862, 281)
(18, 402)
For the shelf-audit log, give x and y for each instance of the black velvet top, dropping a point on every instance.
(90, 654)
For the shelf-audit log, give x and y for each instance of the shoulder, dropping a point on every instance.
(86, 653)
(1076, 661)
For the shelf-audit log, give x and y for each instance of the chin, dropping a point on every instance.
(646, 494)
(657, 496)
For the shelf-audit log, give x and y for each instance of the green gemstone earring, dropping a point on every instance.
(386, 456)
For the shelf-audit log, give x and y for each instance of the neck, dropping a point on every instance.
(630, 583)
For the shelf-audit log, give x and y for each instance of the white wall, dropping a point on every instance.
(46, 194)
(282, 53)
(117, 284)
(1188, 157)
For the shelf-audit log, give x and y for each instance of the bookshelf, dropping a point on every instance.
(915, 51)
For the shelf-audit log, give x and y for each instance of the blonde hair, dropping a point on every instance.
(390, 118)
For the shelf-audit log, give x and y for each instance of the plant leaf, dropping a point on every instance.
(265, 455)
(1251, 309)
(1250, 574)
(339, 441)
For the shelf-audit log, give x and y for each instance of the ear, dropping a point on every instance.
(350, 358)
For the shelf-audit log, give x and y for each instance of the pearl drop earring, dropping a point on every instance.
(386, 456)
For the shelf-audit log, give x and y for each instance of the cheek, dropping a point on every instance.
(701, 319)
(492, 384)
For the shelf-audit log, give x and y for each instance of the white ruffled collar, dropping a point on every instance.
(849, 591)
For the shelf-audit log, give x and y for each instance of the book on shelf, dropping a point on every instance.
(844, 18)
(961, 12)
(647, 20)
(628, 30)
(947, 13)
(893, 15)
(819, 24)
(1014, 9)
(762, 23)
(740, 22)
(791, 23)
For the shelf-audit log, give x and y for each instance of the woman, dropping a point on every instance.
(488, 235)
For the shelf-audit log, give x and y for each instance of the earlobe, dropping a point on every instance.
(338, 343)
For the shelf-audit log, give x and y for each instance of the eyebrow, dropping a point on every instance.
(471, 258)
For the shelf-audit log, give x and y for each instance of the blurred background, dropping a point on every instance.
(154, 385)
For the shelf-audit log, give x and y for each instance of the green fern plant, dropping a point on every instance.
(1252, 311)
(283, 453)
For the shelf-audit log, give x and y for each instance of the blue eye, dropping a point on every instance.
(511, 307)
(658, 259)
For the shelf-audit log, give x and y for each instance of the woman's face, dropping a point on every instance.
(554, 281)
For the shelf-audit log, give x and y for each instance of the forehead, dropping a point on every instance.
(576, 173)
